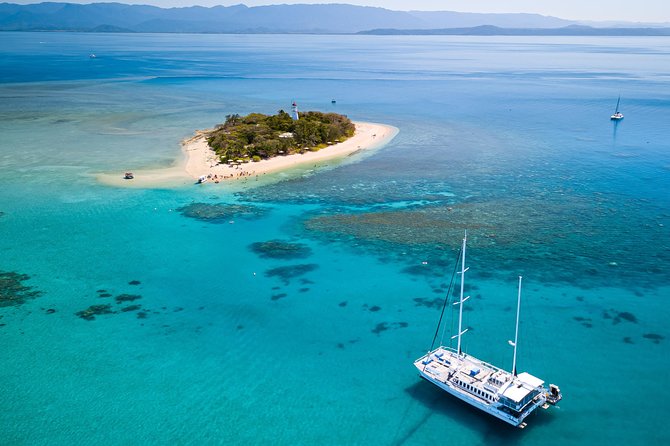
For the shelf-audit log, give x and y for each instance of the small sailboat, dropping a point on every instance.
(508, 396)
(617, 116)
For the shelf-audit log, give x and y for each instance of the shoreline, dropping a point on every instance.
(198, 159)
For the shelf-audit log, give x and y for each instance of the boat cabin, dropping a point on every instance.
(521, 391)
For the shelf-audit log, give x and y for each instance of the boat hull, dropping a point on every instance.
(488, 408)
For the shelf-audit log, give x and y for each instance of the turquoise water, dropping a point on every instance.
(507, 137)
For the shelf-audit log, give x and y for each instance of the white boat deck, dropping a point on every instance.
(508, 397)
(474, 377)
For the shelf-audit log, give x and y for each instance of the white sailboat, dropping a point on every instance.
(508, 396)
(617, 116)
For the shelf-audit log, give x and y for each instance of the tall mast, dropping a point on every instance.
(617, 104)
(516, 332)
(461, 300)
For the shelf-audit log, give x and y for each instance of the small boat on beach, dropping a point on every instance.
(617, 116)
(128, 176)
(202, 179)
(508, 396)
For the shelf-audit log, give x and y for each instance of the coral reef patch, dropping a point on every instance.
(507, 235)
(131, 308)
(619, 316)
(127, 297)
(384, 326)
(221, 212)
(429, 303)
(286, 273)
(279, 249)
(654, 337)
(13, 290)
(91, 312)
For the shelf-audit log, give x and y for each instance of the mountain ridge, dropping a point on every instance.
(334, 18)
(489, 30)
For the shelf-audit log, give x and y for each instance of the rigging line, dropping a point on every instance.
(451, 312)
(446, 300)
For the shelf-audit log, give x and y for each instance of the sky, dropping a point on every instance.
(599, 10)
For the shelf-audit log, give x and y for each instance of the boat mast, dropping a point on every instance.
(516, 332)
(461, 300)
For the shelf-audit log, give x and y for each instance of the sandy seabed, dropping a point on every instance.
(200, 160)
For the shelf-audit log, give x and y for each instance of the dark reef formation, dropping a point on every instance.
(279, 249)
(221, 212)
(286, 273)
(127, 297)
(13, 290)
(91, 312)
(527, 236)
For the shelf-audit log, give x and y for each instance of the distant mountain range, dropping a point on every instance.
(299, 18)
(487, 30)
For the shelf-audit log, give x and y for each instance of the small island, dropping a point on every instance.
(257, 137)
(249, 147)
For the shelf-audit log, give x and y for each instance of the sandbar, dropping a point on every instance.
(198, 159)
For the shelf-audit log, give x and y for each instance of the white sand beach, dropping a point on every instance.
(200, 160)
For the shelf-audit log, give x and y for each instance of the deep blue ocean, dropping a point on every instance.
(290, 313)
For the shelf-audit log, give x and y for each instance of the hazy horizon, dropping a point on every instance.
(653, 11)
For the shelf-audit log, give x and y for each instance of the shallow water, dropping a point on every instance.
(509, 138)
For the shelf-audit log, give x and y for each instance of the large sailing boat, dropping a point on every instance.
(617, 116)
(508, 396)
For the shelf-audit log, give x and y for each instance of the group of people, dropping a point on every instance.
(216, 178)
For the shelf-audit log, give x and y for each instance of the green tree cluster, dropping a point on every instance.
(259, 136)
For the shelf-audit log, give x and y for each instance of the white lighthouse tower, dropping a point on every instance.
(294, 111)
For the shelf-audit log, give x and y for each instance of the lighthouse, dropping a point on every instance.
(294, 111)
